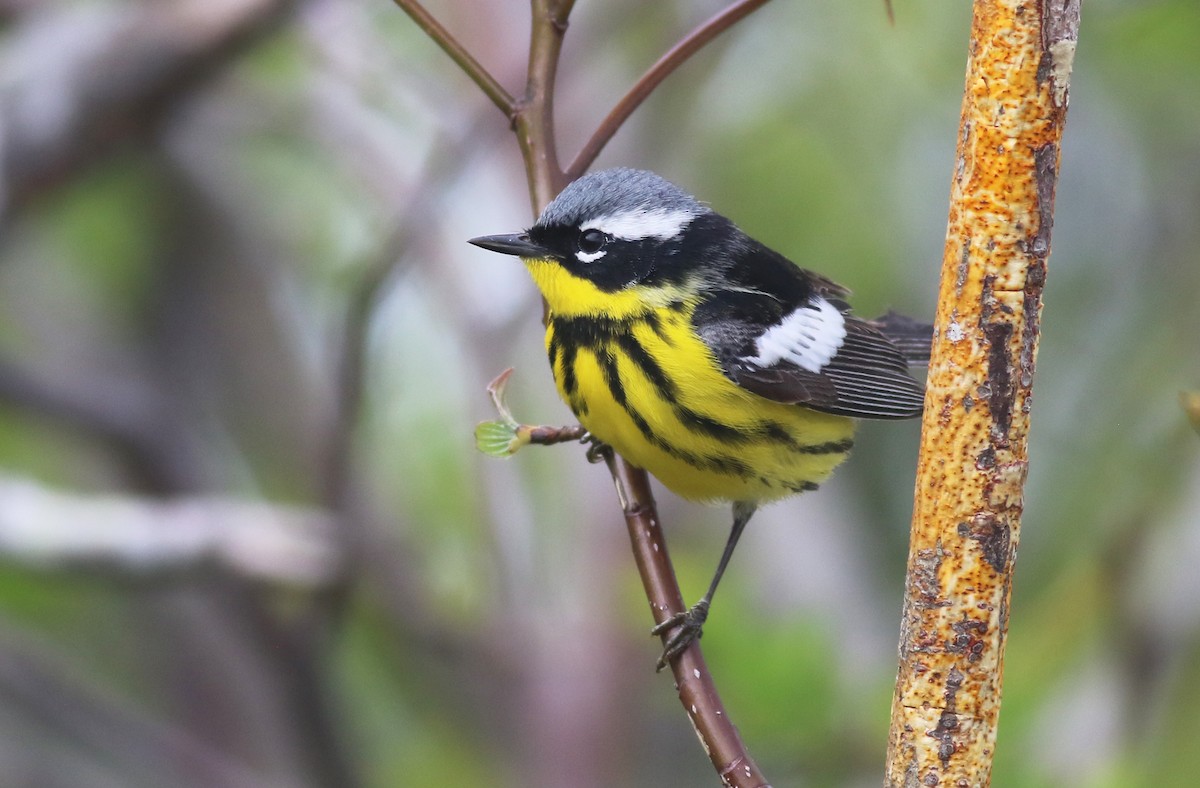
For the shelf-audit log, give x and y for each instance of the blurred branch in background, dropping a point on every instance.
(441, 170)
(114, 73)
(129, 744)
(138, 537)
(122, 413)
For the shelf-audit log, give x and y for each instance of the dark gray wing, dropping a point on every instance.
(866, 378)
(815, 354)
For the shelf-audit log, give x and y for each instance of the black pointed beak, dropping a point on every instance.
(518, 244)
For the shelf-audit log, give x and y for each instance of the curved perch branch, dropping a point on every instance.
(535, 132)
(695, 685)
(533, 123)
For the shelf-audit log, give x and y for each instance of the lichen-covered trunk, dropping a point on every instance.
(971, 473)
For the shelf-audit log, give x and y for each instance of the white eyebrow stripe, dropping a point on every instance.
(639, 223)
(808, 337)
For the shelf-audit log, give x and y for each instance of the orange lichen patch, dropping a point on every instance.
(972, 467)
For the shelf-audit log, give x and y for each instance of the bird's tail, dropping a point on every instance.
(911, 337)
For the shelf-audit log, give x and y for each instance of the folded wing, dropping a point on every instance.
(796, 342)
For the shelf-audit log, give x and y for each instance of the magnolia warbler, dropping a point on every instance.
(702, 356)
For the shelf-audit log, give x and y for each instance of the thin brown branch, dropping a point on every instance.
(974, 439)
(465, 60)
(506, 436)
(695, 685)
(533, 122)
(561, 8)
(548, 436)
(675, 57)
(697, 690)
(535, 118)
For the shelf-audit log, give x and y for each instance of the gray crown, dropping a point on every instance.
(614, 191)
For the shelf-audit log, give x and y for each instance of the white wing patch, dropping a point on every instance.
(809, 337)
(639, 223)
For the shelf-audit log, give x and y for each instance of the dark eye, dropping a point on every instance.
(592, 241)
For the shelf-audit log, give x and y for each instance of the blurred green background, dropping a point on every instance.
(245, 538)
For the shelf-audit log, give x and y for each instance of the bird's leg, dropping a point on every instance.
(691, 622)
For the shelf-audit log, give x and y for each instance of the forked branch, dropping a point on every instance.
(533, 123)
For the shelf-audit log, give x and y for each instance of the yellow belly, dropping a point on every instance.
(658, 397)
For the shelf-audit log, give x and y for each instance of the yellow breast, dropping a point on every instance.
(642, 380)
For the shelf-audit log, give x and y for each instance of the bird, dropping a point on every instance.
(701, 355)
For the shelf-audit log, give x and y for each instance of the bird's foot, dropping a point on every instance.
(597, 450)
(690, 628)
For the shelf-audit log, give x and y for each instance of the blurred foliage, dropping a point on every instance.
(190, 293)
